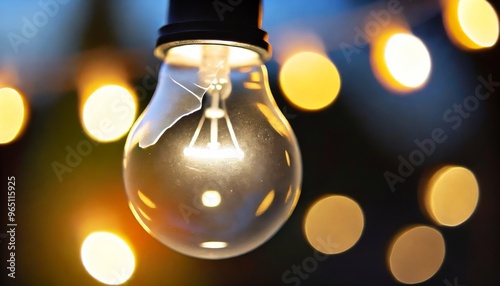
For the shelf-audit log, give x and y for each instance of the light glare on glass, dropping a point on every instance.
(213, 244)
(147, 201)
(266, 203)
(211, 199)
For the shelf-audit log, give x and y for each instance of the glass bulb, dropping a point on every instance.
(212, 169)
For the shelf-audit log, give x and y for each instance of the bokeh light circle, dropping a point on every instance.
(416, 254)
(471, 24)
(479, 21)
(334, 224)
(108, 113)
(407, 60)
(310, 81)
(451, 195)
(12, 114)
(107, 258)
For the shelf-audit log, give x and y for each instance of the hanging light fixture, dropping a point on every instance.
(212, 169)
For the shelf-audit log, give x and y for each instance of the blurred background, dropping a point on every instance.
(394, 104)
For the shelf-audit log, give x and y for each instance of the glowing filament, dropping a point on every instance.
(215, 70)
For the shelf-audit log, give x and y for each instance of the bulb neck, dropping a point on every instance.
(214, 70)
(227, 22)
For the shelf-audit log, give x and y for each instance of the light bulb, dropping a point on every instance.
(212, 169)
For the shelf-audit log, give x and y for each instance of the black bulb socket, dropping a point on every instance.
(224, 22)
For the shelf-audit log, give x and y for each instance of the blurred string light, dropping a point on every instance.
(13, 114)
(416, 254)
(107, 258)
(308, 78)
(401, 61)
(334, 224)
(471, 24)
(310, 81)
(109, 112)
(108, 107)
(451, 195)
(289, 42)
(408, 60)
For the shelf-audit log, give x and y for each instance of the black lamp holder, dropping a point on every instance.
(225, 22)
